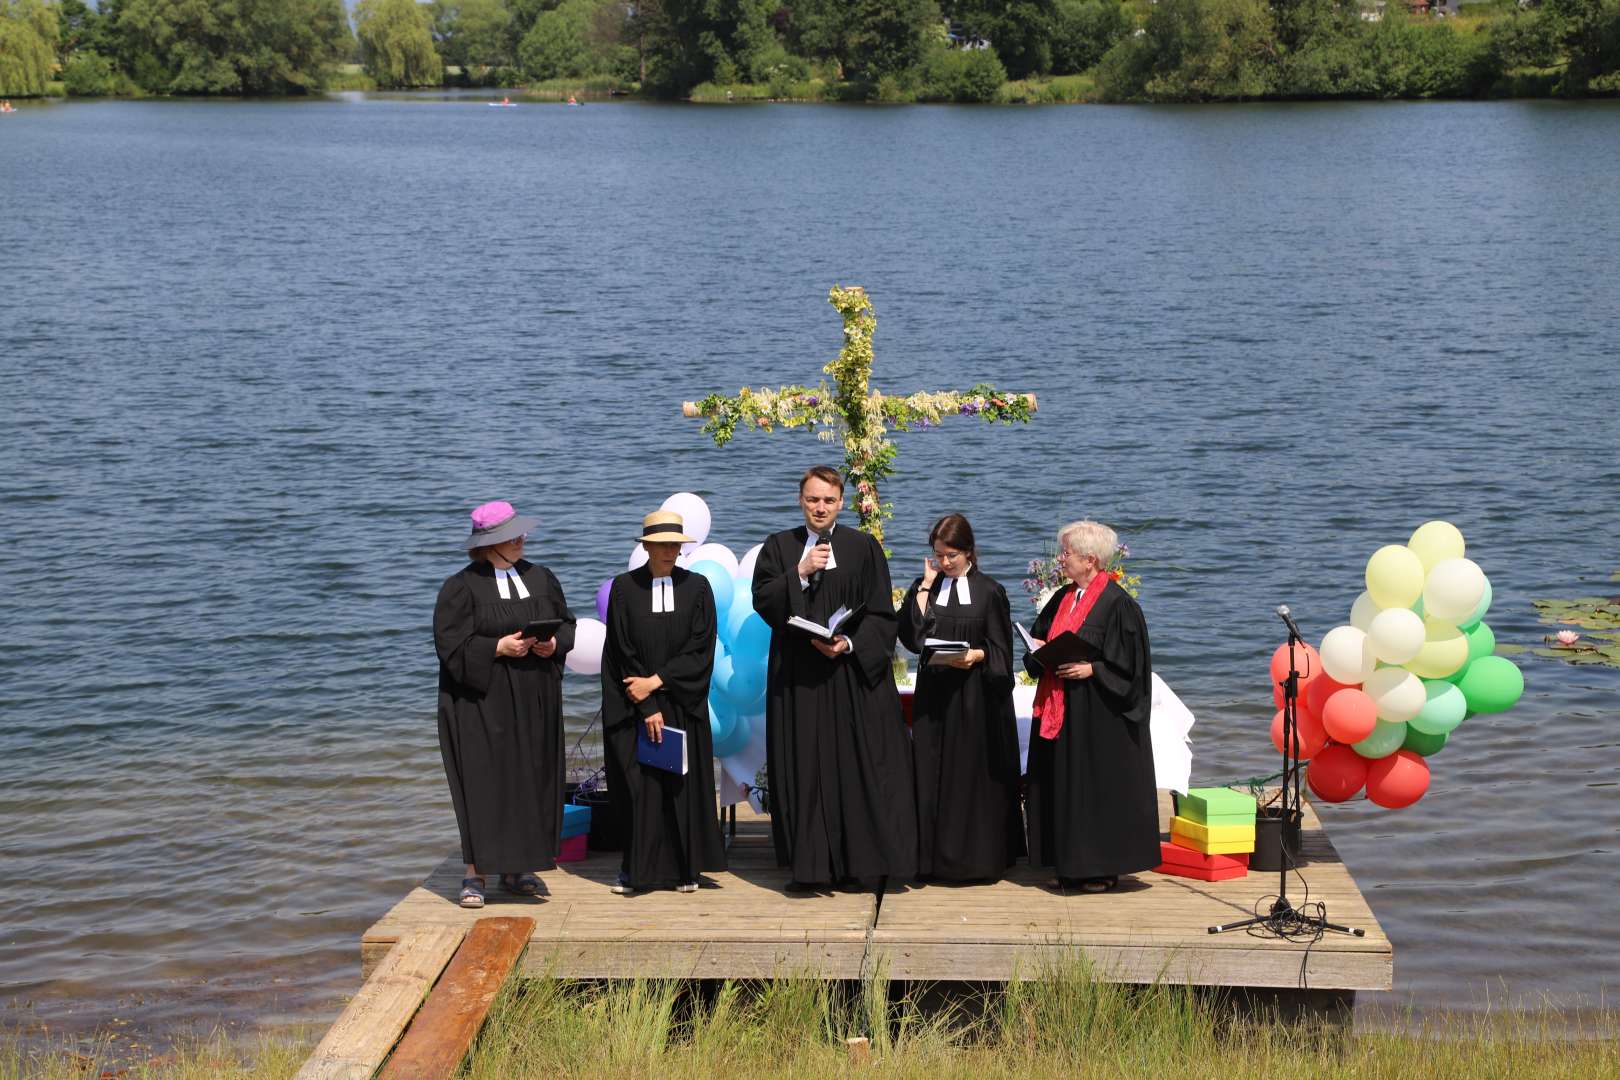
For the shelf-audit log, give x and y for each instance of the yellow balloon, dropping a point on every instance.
(1394, 576)
(1435, 542)
(1445, 649)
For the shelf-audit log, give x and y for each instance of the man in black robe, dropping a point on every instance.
(656, 664)
(838, 755)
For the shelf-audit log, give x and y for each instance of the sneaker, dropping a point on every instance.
(621, 887)
(687, 886)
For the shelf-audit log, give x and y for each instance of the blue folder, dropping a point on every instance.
(669, 755)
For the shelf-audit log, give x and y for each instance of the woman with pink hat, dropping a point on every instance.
(502, 628)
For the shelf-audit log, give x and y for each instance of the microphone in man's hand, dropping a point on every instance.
(815, 578)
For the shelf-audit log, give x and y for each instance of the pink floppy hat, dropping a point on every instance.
(496, 523)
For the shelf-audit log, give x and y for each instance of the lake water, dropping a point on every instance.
(259, 359)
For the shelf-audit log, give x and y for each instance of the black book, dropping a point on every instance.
(542, 629)
(1066, 648)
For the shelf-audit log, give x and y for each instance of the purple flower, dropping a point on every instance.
(812, 400)
(1124, 551)
(968, 408)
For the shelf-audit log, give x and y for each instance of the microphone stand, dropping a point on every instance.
(1284, 919)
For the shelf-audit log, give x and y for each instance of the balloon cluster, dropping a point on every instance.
(1386, 691)
(737, 688)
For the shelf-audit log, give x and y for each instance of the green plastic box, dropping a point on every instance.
(1217, 806)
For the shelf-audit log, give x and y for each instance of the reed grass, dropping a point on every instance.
(1063, 1023)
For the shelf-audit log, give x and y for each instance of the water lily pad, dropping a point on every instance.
(1598, 615)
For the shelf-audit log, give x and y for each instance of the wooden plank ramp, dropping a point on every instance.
(358, 1041)
(744, 925)
(443, 1031)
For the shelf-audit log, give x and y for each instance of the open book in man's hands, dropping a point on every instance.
(840, 620)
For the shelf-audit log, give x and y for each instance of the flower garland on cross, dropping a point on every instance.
(851, 409)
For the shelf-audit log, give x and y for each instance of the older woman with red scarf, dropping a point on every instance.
(1090, 801)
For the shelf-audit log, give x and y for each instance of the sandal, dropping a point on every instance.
(1098, 884)
(472, 892)
(520, 884)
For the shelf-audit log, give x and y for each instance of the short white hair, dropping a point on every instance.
(1089, 538)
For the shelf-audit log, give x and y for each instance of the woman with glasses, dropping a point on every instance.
(502, 628)
(964, 734)
(1090, 797)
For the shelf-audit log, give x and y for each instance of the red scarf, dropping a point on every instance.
(1071, 615)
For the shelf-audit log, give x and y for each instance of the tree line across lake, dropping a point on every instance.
(888, 50)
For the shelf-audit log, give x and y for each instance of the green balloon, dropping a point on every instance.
(1481, 642)
(1421, 742)
(1492, 684)
(1479, 611)
(1385, 739)
(1456, 677)
(1443, 711)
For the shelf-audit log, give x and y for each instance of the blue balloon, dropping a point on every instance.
(722, 721)
(719, 581)
(736, 739)
(747, 686)
(720, 680)
(742, 606)
(753, 638)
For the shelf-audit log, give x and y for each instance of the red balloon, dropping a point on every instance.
(1323, 687)
(1397, 780)
(1306, 662)
(1337, 773)
(1350, 716)
(1309, 733)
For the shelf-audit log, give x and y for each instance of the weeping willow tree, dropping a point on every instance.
(28, 33)
(396, 43)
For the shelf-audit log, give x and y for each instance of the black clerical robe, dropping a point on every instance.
(500, 718)
(673, 831)
(837, 752)
(964, 734)
(1090, 799)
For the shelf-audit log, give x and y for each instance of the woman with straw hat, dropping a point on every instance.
(656, 664)
(500, 704)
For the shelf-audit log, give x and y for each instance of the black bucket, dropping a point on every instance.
(1272, 839)
(607, 831)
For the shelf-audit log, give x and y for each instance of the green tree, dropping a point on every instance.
(1194, 50)
(1019, 30)
(576, 39)
(89, 74)
(474, 33)
(231, 46)
(1589, 32)
(886, 37)
(28, 34)
(396, 43)
(1083, 31)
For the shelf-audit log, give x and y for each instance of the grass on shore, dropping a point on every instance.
(1063, 1025)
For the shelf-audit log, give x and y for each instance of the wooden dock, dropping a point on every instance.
(747, 926)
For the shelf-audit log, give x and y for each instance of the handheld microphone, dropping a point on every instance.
(1288, 620)
(824, 538)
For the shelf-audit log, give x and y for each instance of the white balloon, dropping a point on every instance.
(1398, 693)
(1453, 589)
(745, 566)
(638, 557)
(585, 658)
(1396, 635)
(694, 514)
(716, 553)
(1362, 611)
(1347, 655)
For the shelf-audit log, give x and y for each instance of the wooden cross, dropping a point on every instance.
(854, 411)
